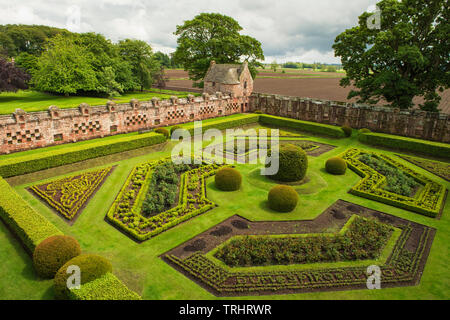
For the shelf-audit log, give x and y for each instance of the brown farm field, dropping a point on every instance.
(298, 83)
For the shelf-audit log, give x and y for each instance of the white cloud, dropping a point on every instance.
(287, 29)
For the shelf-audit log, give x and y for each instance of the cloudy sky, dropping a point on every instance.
(289, 30)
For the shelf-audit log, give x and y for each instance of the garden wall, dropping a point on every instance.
(415, 123)
(22, 131)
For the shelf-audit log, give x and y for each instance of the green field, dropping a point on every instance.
(30, 101)
(139, 265)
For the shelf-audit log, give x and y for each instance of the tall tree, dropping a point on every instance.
(11, 77)
(407, 56)
(65, 68)
(212, 36)
(143, 64)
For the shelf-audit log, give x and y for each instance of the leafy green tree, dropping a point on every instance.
(141, 59)
(274, 66)
(65, 68)
(407, 57)
(212, 36)
(163, 59)
(27, 62)
(108, 83)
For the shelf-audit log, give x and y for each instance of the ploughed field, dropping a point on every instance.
(304, 83)
(171, 233)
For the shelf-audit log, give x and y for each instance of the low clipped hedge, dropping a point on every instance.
(282, 198)
(28, 225)
(106, 287)
(172, 130)
(163, 131)
(224, 123)
(52, 253)
(318, 128)
(228, 179)
(31, 163)
(336, 165)
(91, 266)
(293, 163)
(347, 131)
(431, 148)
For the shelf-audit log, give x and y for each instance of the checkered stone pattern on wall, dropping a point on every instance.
(206, 110)
(136, 120)
(171, 115)
(23, 136)
(87, 127)
(232, 107)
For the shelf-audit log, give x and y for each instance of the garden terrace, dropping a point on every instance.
(139, 248)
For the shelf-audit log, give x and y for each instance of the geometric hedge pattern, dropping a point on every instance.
(68, 195)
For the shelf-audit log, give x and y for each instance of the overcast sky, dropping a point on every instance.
(289, 30)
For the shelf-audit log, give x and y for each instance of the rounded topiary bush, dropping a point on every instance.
(163, 131)
(282, 198)
(347, 130)
(228, 179)
(336, 165)
(91, 266)
(364, 130)
(172, 130)
(293, 163)
(52, 253)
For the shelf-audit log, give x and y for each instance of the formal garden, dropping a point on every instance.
(140, 226)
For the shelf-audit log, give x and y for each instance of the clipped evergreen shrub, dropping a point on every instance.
(228, 179)
(347, 131)
(91, 266)
(364, 130)
(163, 131)
(293, 163)
(282, 198)
(52, 253)
(336, 165)
(172, 130)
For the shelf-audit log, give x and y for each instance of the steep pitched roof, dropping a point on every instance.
(224, 73)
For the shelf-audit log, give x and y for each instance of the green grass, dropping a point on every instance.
(30, 101)
(139, 265)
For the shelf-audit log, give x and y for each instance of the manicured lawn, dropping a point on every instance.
(29, 100)
(139, 265)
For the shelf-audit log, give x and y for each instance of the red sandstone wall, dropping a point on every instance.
(22, 131)
(414, 123)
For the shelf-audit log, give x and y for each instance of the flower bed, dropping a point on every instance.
(361, 239)
(126, 211)
(68, 195)
(428, 201)
(402, 263)
(438, 168)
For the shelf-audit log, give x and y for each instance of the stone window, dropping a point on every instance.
(157, 122)
(58, 137)
(245, 85)
(113, 129)
(191, 116)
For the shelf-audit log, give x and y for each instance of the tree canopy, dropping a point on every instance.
(407, 56)
(212, 36)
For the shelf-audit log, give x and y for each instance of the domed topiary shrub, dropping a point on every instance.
(91, 266)
(282, 198)
(364, 130)
(52, 253)
(336, 165)
(228, 179)
(293, 163)
(163, 131)
(172, 130)
(347, 131)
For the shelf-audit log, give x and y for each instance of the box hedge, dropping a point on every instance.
(313, 127)
(107, 287)
(28, 225)
(50, 159)
(431, 148)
